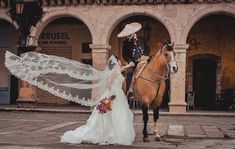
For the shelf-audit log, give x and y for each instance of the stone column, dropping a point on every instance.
(177, 103)
(100, 55)
(26, 95)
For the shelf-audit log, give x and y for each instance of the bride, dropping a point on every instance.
(85, 85)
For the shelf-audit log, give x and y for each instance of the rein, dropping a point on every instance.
(161, 77)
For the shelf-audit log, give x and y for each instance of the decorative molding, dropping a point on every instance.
(181, 48)
(133, 2)
(47, 3)
(100, 47)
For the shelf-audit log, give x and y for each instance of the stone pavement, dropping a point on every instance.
(19, 129)
(83, 109)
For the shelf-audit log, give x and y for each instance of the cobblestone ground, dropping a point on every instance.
(43, 130)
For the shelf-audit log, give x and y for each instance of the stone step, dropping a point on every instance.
(176, 130)
(213, 132)
(194, 131)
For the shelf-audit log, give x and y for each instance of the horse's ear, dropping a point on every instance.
(173, 43)
(160, 44)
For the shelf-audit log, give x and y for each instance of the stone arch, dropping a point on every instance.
(116, 19)
(8, 41)
(201, 13)
(8, 19)
(58, 13)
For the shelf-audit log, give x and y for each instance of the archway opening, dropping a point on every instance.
(153, 32)
(66, 37)
(8, 83)
(204, 82)
(212, 35)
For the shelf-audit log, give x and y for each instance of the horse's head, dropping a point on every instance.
(169, 54)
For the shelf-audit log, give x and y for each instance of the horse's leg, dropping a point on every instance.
(155, 118)
(157, 103)
(145, 119)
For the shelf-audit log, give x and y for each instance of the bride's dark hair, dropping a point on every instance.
(111, 64)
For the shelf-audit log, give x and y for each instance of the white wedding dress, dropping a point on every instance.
(113, 127)
(82, 84)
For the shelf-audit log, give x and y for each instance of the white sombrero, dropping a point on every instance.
(130, 29)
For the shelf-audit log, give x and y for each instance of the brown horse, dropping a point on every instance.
(150, 85)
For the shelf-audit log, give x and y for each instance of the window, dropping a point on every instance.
(87, 61)
(86, 48)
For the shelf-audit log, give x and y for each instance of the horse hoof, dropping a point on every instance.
(159, 139)
(146, 139)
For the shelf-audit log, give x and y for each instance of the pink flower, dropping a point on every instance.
(105, 105)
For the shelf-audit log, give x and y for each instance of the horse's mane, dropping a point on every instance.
(169, 47)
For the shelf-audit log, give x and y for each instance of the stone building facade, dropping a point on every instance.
(203, 32)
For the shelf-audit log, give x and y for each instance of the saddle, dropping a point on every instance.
(137, 72)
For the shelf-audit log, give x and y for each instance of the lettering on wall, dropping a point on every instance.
(194, 44)
(54, 38)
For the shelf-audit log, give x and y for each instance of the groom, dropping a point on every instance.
(132, 50)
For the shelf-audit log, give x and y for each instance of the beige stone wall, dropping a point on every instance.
(215, 35)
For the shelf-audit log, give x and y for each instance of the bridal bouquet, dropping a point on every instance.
(105, 104)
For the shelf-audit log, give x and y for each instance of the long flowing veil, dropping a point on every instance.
(65, 78)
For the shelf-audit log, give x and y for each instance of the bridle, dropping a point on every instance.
(167, 75)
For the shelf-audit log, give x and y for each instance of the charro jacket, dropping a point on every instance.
(133, 49)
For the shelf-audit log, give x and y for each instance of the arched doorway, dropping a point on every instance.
(66, 37)
(8, 83)
(210, 59)
(153, 32)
